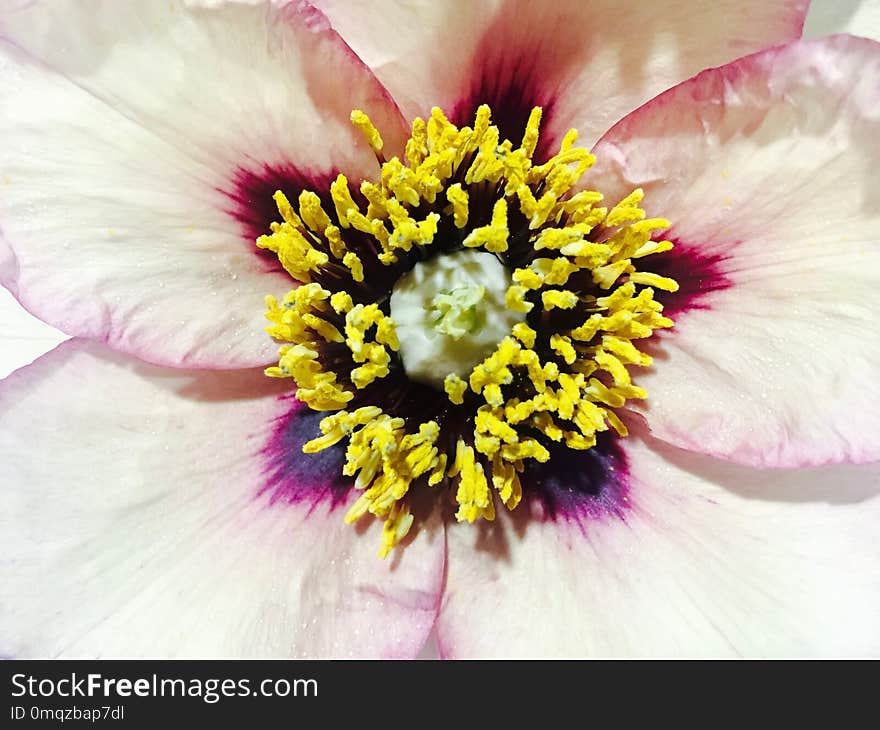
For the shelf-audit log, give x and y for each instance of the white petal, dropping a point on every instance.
(23, 338)
(172, 513)
(588, 64)
(859, 17)
(767, 169)
(142, 144)
(708, 559)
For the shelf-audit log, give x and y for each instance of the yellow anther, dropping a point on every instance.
(326, 330)
(295, 252)
(515, 299)
(286, 209)
(492, 394)
(455, 388)
(562, 346)
(535, 210)
(535, 371)
(526, 449)
(401, 181)
(377, 200)
(417, 145)
(525, 334)
(395, 528)
(482, 120)
(578, 441)
(605, 276)
(652, 247)
(386, 333)
(582, 201)
(612, 364)
(556, 238)
(554, 272)
(530, 136)
(589, 417)
(473, 495)
(633, 237)
(627, 210)
(440, 130)
(625, 351)
(615, 423)
(488, 162)
(438, 473)
(561, 298)
(545, 424)
(587, 253)
(342, 200)
(528, 279)
(587, 217)
(322, 393)
(655, 280)
(458, 199)
(505, 479)
(341, 302)
(360, 222)
(619, 298)
(493, 237)
(568, 141)
(339, 426)
(428, 229)
(334, 239)
(367, 129)
(353, 262)
(312, 213)
(489, 421)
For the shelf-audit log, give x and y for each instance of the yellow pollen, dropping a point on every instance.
(455, 388)
(366, 128)
(458, 199)
(493, 237)
(342, 200)
(556, 381)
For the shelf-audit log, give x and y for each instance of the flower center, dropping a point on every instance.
(478, 272)
(450, 314)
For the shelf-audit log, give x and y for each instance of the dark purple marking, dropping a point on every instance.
(294, 477)
(508, 86)
(579, 486)
(697, 273)
(250, 194)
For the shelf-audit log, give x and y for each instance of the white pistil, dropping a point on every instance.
(450, 314)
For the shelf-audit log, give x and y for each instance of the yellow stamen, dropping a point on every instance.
(493, 237)
(366, 128)
(455, 388)
(560, 376)
(312, 213)
(515, 299)
(342, 200)
(458, 199)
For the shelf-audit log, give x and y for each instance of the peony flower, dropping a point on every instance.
(703, 480)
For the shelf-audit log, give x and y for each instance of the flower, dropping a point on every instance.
(161, 504)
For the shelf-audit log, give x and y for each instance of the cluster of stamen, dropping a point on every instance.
(557, 378)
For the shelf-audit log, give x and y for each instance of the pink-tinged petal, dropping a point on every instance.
(709, 558)
(587, 63)
(768, 170)
(152, 512)
(142, 143)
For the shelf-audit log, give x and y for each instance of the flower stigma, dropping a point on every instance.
(450, 314)
(462, 314)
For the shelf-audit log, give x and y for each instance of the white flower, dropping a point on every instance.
(166, 508)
